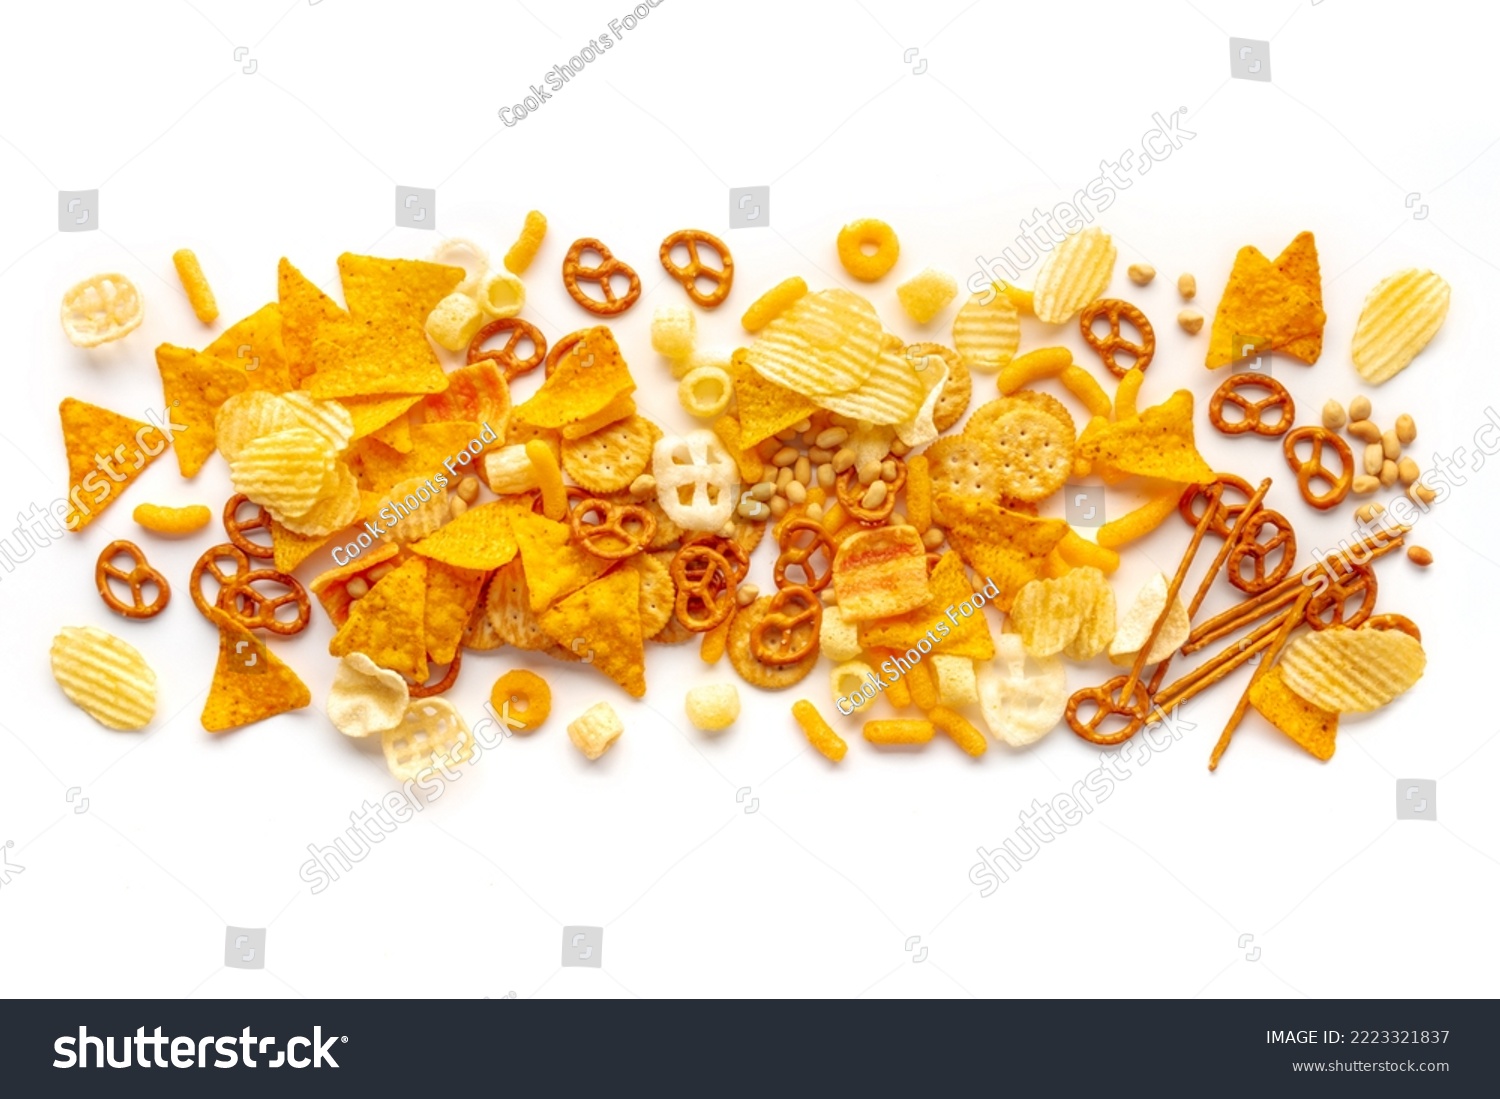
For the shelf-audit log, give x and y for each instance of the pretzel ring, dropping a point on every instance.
(705, 587)
(799, 557)
(556, 352)
(254, 611)
(1327, 607)
(1112, 310)
(209, 563)
(505, 356)
(851, 495)
(236, 527)
(1108, 704)
(1249, 546)
(427, 690)
(1393, 622)
(613, 518)
(688, 274)
(729, 549)
(140, 574)
(1222, 523)
(789, 647)
(1313, 469)
(575, 272)
(1254, 418)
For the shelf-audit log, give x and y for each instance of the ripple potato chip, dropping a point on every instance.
(105, 677)
(1074, 273)
(987, 331)
(1399, 319)
(1022, 697)
(1352, 671)
(827, 342)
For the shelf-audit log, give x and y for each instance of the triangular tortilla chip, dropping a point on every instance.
(396, 434)
(591, 376)
(370, 414)
(969, 636)
(194, 384)
(1310, 727)
(1263, 305)
(388, 623)
(480, 538)
(451, 595)
(764, 406)
(1157, 443)
(394, 291)
(1002, 546)
(379, 467)
(307, 315)
(554, 565)
(1299, 263)
(604, 619)
(250, 682)
(98, 440)
(360, 360)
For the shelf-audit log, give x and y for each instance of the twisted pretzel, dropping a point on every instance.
(729, 549)
(1327, 607)
(1112, 310)
(243, 602)
(705, 587)
(139, 575)
(519, 330)
(427, 690)
(556, 352)
(1214, 491)
(209, 563)
(1108, 704)
(609, 538)
(1254, 418)
(790, 646)
(1313, 469)
(800, 556)
(851, 494)
(575, 272)
(688, 274)
(1393, 622)
(236, 527)
(1249, 547)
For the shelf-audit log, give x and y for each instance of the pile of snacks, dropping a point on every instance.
(904, 527)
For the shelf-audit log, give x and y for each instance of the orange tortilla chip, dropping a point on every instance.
(331, 587)
(1312, 728)
(379, 467)
(1299, 263)
(307, 315)
(480, 538)
(370, 414)
(1263, 305)
(388, 623)
(250, 682)
(605, 618)
(591, 376)
(764, 406)
(197, 383)
(1006, 548)
(395, 291)
(752, 469)
(554, 566)
(949, 585)
(1157, 443)
(621, 408)
(451, 596)
(97, 440)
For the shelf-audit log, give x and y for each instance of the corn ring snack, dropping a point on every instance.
(845, 680)
(774, 302)
(899, 731)
(1023, 371)
(548, 479)
(458, 252)
(500, 295)
(161, 519)
(199, 294)
(1127, 392)
(919, 493)
(1079, 552)
(1082, 385)
(1140, 522)
(967, 737)
(524, 250)
(705, 391)
(819, 734)
(528, 697)
(852, 239)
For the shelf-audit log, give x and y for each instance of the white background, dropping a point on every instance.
(818, 891)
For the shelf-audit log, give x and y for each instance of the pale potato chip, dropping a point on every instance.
(1135, 626)
(105, 677)
(1352, 671)
(246, 417)
(921, 428)
(285, 471)
(366, 699)
(1021, 697)
(431, 733)
(1046, 614)
(827, 342)
(337, 506)
(956, 681)
(987, 331)
(1096, 626)
(328, 418)
(1074, 273)
(890, 393)
(1399, 319)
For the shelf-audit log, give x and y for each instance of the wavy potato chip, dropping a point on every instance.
(105, 677)
(329, 419)
(987, 331)
(957, 387)
(1074, 273)
(337, 506)
(881, 573)
(1021, 697)
(827, 342)
(365, 699)
(245, 417)
(1006, 547)
(892, 390)
(1398, 320)
(1312, 729)
(285, 471)
(1348, 671)
(1074, 613)
(1136, 624)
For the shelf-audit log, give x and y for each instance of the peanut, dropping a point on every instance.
(1420, 492)
(456, 506)
(357, 588)
(1420, 556)
(747, 594)
(842, 460)
(1141, 273)
(933, 538)
(778, 507)
(784, 457)
(1388, 473)
(826, 476)
(1406, 429)
(468, 488)
(1187, 286)
(802, 471)
(832, 438)
(1367, 513)
(1334, 416)
(1190, 321)
(1374, 458)
(1408, 470)
(869, 471)
(796, 492)
(1359, 408)
(763, 491)
(1364, 431)
(1391, 444)
(1364, 484)
(874, 495)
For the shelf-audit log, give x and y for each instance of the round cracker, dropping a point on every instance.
(769, 677)
(658, 593)
(969, 467)
(982, 423)
(1036, 455)
(508, 608)
(479, 635)
(609, 459)
(957, 391)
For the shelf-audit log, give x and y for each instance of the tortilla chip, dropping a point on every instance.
(451, 596)
(370, 414)
(250, 682)
(591, 376)
(1007, 549)
(388, 623)
(764, 406)
(380, 468)
(1263, 304)
(949, 585)
(307, 315)
(1157, 443)
(193, 385)
(752, 469)
(92, 434)
(555, 567)
(605, 618)
(1313, 729)
(394, 291)
(1299, 263)
(480, 538)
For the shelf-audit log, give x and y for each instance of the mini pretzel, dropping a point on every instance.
(1327, 607)
(789, 647)
(705, 587)
(1215, 490)
(851, 493)
(799, 556)
(236, 527)
(1313, 469)
(1255, 411)
(1112, 310)
(722, 276)
(1108, 704)
(1393, 622)
(139, 575)
(427, 690)
(575, 272)
(506, 356)
(209, 563)
(729, 549)
(1249, 547)
(609, 538)
(556, 352)
(247, 606)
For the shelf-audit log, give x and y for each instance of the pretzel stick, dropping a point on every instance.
(1217, 666)
(1273, 650)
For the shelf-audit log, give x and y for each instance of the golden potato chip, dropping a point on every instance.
(1022, 697)
(891, 392)
(246, 417)
(105, 677)
(827, 342)
(1299, 263)
(1073, 613)
(251, 683)
(956, 684)
(331, 588)
(1136, 624)
(1262, 310)
(920, 428)
(1074, 273)
(555, 565)
(1310, 728)
(285, 471)
(1157, 443)
(965, 632)
(451, 597)
(338, 505)
(987, 331)
(881, 573)
(595, 731)
(658, 593)
(366, 699)
(611, 458)
(480, 538)
(1399, 319)
(1352, 671)
(764, 408)
(1004, 546)
(590, 377)
(926, 294)
(92, 435)
(1096, 626)
(432, 734)
(604, 617)
(388, 623)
